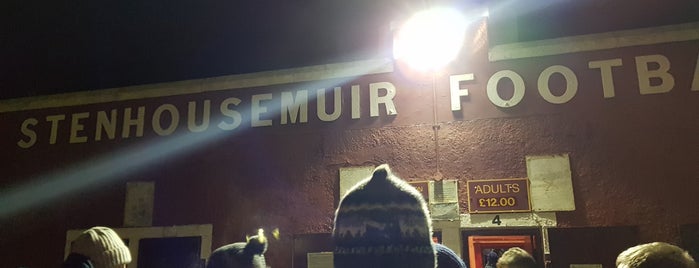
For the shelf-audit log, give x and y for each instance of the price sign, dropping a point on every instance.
(495, 196)
(423, 188)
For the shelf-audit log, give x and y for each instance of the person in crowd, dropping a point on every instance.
(491, 259)
(383, 221)
(447, 258)
(516, 257)
(655, 255)
(98, 247)
(75, 260)
(248, 254)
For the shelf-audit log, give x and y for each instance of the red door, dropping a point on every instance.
(484, 250)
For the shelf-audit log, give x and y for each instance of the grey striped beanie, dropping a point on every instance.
(383, 222)
(102, 246)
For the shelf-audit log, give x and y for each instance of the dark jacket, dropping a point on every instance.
(75, 260)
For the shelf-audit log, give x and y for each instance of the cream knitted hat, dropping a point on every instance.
(102, 246)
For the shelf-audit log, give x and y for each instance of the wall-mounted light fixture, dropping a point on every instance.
(430, 39)
(427, 42)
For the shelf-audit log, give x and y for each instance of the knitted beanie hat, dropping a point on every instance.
(447, 258)
(102, 246)
(248, 254)
(383, 222)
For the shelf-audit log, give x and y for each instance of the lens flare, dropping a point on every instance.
(119, 165)
(430, 39)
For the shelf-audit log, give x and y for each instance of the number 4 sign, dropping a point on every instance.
(497, 220)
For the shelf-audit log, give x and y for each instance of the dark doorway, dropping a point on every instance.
(306, 243)
(589, 245)
(170, 252)
(689, 234)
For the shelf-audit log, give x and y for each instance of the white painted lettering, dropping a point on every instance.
(356, 112)
(605, 68)
(456, 91)
(54, 119)
(233, 114)
(387, 100)
(192, 116)
(138, 122)
(106, 125)
(291, 107)
(571, 84)
(667, 82)
(337, 105)
(492, 88)
(29, 133)
(257, 109)
(76, 127)
(157, 119)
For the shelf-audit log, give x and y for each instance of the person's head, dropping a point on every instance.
(492, 257)
(249, 254)
(516, 258)
(447, 258)
(75, 260)
(103, 247)
(383, 222)
(655, 255)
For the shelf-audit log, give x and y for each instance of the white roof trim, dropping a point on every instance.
(268, 78)
(592, 42)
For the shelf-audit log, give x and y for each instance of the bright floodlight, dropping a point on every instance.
(430, 39)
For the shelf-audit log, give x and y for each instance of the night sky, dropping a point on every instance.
(49, 47)
(62, 46)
